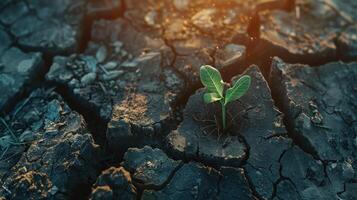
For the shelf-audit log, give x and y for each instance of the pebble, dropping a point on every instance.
(66, 75)
(230, 54)
(203, 19)
(25, 66)
(117, 46)
(181, 4)
(110, 65)
(112, 75)
(90, 62)
(88, 78)
(231, 15)
(150, 18)
(73, 83)
(76, 90)
(53, 112)
(129, 64)
(53, 190)
(101, 54)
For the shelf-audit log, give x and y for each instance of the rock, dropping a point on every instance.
(231, 54)
(58, 72)
(19, 72)
(110, 65)
(101, 54)
(61, 154)
(112, 75)
(181, 4)
(203, 19)
(149, 167)
(191, 181)
(151, 17)
(88, 78)
(114, 183)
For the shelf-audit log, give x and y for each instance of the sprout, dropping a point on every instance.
(212, 80)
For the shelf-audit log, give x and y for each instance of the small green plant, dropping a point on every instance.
(212, 80)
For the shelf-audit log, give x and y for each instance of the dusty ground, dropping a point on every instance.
(102, 99)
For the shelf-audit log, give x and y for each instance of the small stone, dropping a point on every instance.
(66, 75)
(129, 64)
(150, 18)
(112, 75)
(25, 65)
(101, 54)
(231, 54)
(231, 15)
(53, 112)
(203, 19)
(90, 62)
(110, 65)
(88, 78)
(54, 190)
(117, 46)
(181, 4)
(73, 83)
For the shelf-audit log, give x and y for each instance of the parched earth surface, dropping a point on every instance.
(102, 99)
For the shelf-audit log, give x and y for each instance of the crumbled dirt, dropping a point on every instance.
(58, 153)
(114, 183)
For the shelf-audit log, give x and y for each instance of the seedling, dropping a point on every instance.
(212, 80)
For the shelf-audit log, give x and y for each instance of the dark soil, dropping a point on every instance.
(102, 99)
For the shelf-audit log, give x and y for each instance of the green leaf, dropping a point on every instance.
(238, 90)
(212, 80)
(211, 97)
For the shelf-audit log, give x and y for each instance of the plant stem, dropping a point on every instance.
(223, 115)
